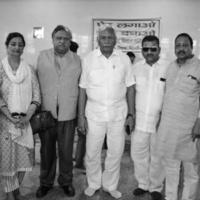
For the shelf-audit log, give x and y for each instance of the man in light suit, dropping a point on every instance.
(58, 72)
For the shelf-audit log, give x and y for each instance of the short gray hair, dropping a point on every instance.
(108, 28)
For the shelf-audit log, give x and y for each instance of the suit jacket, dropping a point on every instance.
(59, 83)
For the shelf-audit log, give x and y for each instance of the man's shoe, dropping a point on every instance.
(42, 191)
(16, 192)
(89, 191)
(114, 193)
(156, 196)
(139, 192)
(69, 190)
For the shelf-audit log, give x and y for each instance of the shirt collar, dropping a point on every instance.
(114, 53)
(154, 65)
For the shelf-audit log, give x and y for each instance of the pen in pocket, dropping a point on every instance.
(194, 78)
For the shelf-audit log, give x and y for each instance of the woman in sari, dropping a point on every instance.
(19, 98)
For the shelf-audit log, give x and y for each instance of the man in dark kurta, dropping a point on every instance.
(180, 120)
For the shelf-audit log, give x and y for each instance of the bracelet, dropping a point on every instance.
(35, 103)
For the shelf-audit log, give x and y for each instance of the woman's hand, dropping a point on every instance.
(23, 121)
(14, 120)
(6, 112)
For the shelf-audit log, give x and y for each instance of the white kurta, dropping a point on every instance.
(150, 85)
(106, 82)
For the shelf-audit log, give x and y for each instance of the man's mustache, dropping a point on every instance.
(181, 52)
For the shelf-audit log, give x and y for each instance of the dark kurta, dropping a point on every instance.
(180, 111)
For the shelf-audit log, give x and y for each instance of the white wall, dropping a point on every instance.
(22, 15)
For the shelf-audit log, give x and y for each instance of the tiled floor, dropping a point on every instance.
(126, 185)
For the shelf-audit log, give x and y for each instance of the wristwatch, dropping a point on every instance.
(129, 115)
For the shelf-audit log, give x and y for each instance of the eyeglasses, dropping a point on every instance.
(152, 49)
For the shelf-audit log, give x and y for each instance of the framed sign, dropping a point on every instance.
(130, 32)
(38, 32)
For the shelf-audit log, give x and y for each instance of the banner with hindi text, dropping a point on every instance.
(129, 32)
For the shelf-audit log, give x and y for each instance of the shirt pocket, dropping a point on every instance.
(187, 84)
(96, 77)
(118, 75)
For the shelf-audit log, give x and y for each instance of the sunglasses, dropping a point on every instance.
(152, 49)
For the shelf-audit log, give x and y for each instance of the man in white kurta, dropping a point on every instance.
(150, 83)
(180, 122)
(105, 107)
